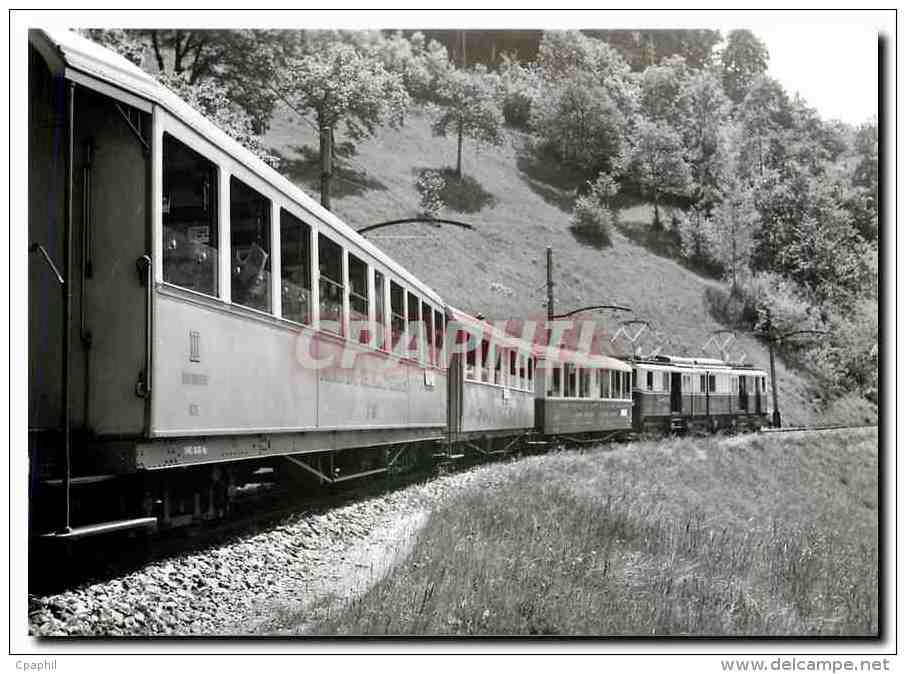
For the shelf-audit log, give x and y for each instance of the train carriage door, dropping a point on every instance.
(112, 194)
(743, 393)
(108, 192)
(676, 392)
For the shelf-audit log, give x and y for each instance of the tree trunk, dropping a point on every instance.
(459, 150)
(326, 164)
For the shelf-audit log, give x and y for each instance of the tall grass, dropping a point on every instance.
(753, 536)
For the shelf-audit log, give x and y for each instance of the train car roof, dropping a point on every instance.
(64, 49)
(538, 350)
(701, 368)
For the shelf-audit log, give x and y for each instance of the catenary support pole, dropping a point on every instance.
(775, 417)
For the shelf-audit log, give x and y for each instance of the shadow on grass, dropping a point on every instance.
(596, 237)
(665, 242)
(464, 195)
(304, 167)
(549, 179)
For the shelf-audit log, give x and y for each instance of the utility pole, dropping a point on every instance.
(550, 284)
(775, 417)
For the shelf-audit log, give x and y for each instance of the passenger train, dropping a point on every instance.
(196, 319)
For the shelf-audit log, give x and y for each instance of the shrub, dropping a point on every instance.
(431, 185)
(517, 110)
(594, 213)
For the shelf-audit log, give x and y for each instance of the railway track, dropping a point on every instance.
(806, 429)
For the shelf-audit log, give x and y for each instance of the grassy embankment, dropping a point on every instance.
(754, 535)
(519, 205)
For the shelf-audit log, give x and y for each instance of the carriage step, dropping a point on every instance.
(103, 528)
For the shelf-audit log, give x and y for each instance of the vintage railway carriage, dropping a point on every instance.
(211, 312)
(491, 385)
(675, 394)
(578, 394)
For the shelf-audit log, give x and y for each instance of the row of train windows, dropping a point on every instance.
(702, 383)
(521, 367)
(190, 260)
(569, 381)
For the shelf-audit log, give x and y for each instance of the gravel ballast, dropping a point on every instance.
(243, 585)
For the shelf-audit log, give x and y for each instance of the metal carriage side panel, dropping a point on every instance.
(367, 390)
(427, 396)
(493, 408)
(585, 416)
(654, 404)
(219, 372)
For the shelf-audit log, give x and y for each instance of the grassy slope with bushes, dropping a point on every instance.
(749, 535)
(499, 269)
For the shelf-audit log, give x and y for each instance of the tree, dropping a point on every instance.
(735, 220)
(704, 114)
(661, 89)
(587, 95)
(468, 107)
(764, 116)
(205, 94)
(211, 101)
(242, 62)
(743, 59)
(340, 84)
(656, 159)
(864, 203)
(127, 44)
(644, 48)
(581, 125)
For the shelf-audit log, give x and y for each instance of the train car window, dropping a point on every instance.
(471, 372)
(190, 232)
(295, 268)
(523, 381)
(427, 335)
(397, 315)
(570, 381)
(649, 380)
(531, 373)
(513, 381)
(379, 309)
(624, 379)
(250, 243)
(764, 385)
(330, 286)
(701, 384)
(712, 383)
(439, 333)
(498, 365)
(553, 386)
(604, 383)
(485, 360)
(414, 324)
(358, 299)
(665, 381)
(584, 383)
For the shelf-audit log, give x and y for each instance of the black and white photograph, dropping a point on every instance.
(510, 329)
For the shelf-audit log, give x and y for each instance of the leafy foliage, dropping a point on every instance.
(594, 214)
(341, 84)
(743, 59)
(467, 106)
(430, 185)
(211, 101)
(657, 161)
